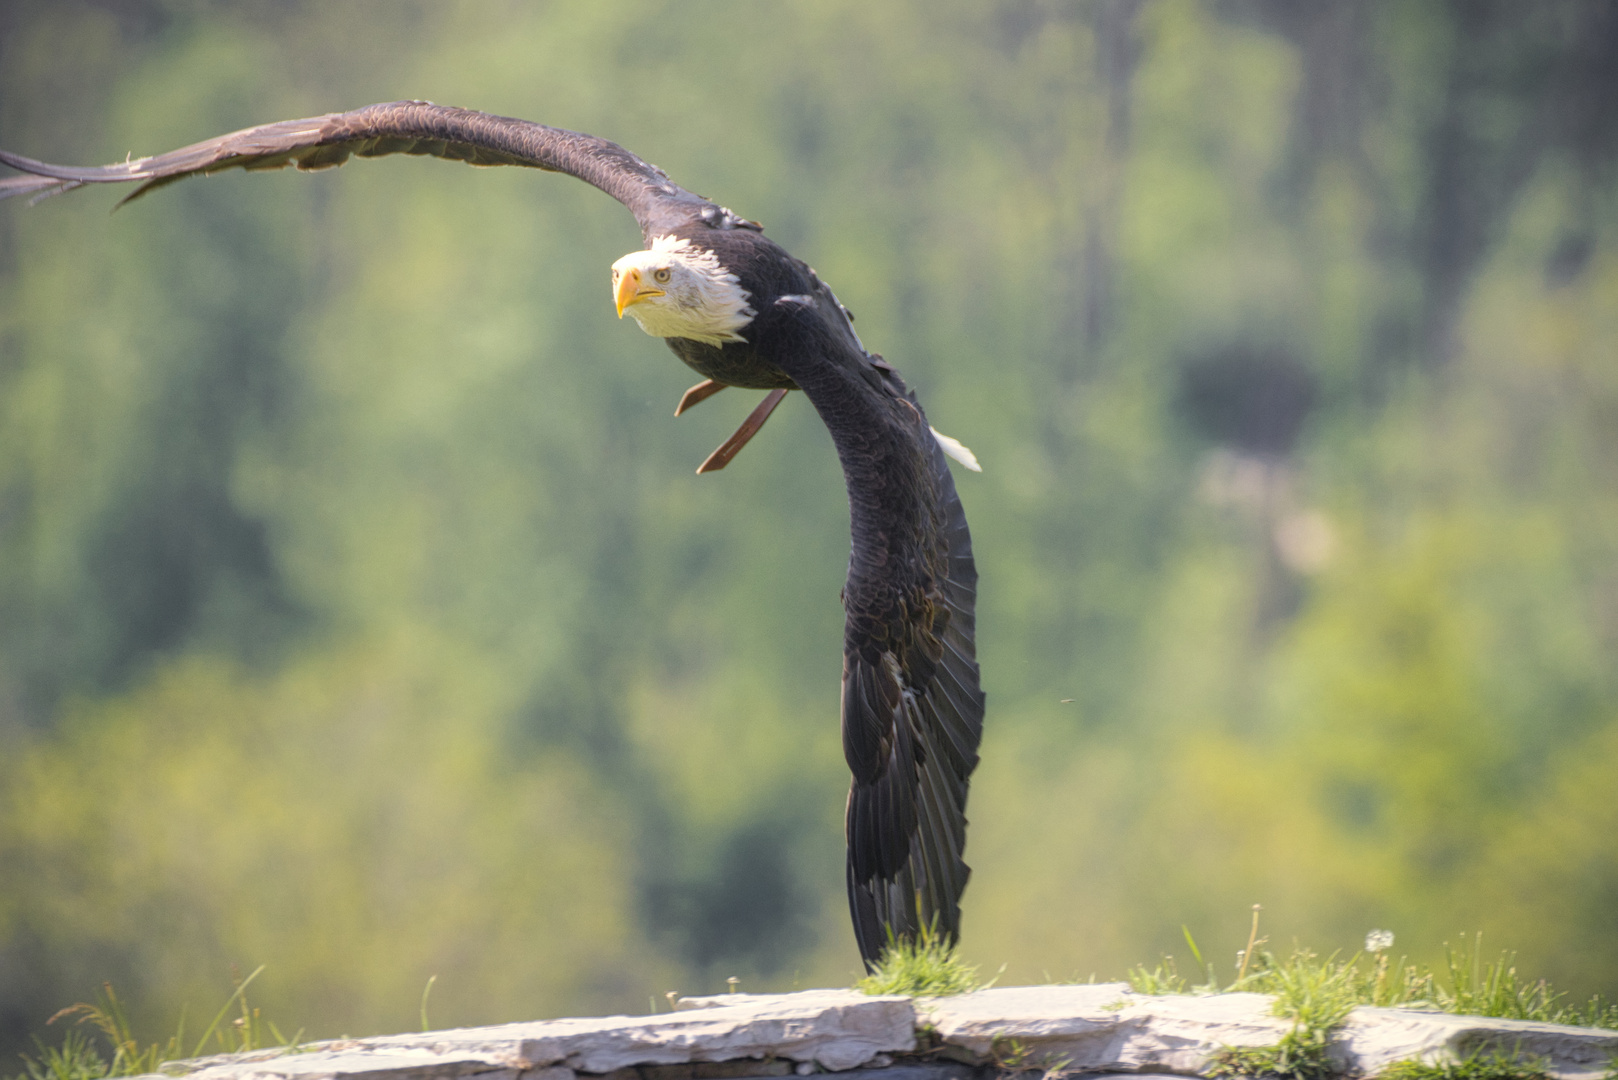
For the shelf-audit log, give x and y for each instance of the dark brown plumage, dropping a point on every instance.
(912, 709)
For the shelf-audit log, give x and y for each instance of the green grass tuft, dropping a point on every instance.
(1165, 978)
(1476, 988)
(79, 1059)
(1300, 1055)
(1317, 994)
(1315, 990)
(925, 967)
(1496, 1065)
(75, 1059)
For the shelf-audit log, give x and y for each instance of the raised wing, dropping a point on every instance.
(400, 127)
(912, 706)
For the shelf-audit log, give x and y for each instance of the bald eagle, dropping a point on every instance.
(740, 311)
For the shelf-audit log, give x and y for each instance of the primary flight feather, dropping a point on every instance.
(740, 311)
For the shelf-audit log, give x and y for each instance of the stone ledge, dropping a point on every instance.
(1376, 1038)
(1102, 1030)
(1103, 1027)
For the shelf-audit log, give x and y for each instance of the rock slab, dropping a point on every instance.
(1102, 1030)
(1375, 1038)
(1102, 1027)
(1106, 1028)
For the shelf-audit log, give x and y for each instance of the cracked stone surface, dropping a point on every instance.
(1103, 1030)
(1103, 1027)
(1375, 1038)
(1106, 1028)
(831, 1030)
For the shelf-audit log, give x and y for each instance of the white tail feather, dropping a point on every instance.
(957, 451)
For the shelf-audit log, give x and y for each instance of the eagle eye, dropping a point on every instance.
(661, 275)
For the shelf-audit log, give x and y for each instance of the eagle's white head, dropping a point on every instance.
(675, 289)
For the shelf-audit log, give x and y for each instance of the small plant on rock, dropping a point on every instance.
(1494, 1065)
(78, 1059)
(1479, 988)
(925, 966)
(1300, 1055)
(1317, 996)
(1165, 978)
(75, 1059)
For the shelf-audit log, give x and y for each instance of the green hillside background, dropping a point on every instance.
(361, 615)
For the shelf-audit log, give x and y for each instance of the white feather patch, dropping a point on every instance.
(956, 450)
(711, 307)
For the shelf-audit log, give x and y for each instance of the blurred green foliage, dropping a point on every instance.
(361, 617)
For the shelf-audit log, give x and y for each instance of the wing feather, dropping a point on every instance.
(912, 706)
(400, 127)
(945, 722)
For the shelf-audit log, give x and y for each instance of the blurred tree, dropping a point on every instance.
(360, 615)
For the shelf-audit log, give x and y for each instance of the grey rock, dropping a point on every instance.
(1101, 1030)
(550, 1072)
(353, 1060)
(928, 1070)
(1107, 1028)
(1102, 1027)
(745, 1069)
(838, 1029)
(1373, 1039)
(827, 1029)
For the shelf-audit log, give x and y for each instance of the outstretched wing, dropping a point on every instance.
(912, 720)
(912, 707)
(401, 127)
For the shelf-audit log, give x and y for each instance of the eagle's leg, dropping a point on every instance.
(755, 420)
(704, 390)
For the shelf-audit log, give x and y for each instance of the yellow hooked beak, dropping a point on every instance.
(631, 291)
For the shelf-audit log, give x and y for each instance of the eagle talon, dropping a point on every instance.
(732, 446)
(699, 393)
